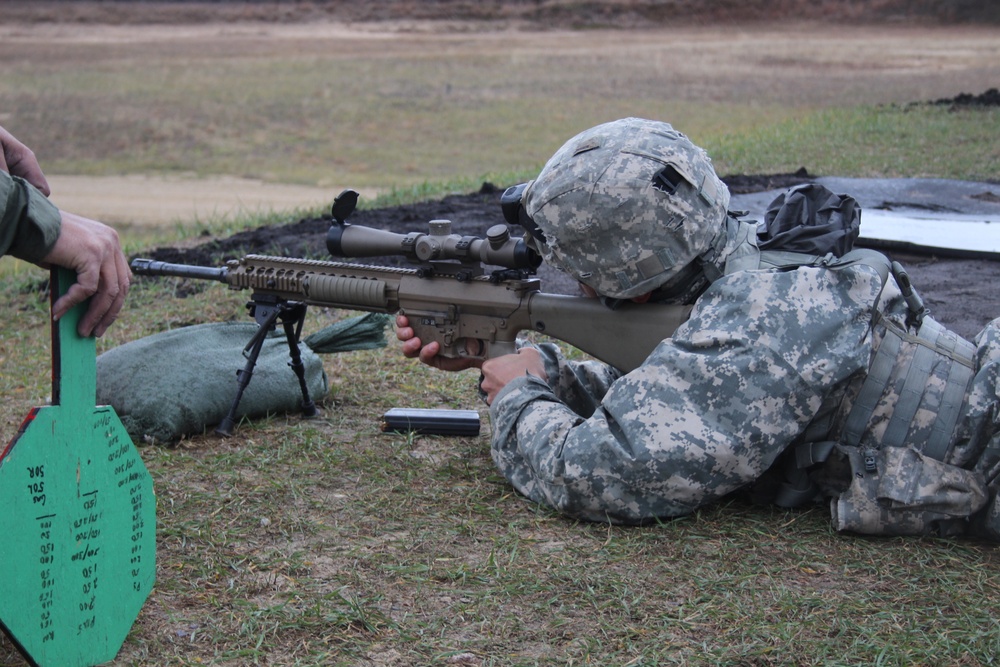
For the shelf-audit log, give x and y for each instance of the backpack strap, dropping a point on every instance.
(872, 258)
(786, 259)
(960, 377)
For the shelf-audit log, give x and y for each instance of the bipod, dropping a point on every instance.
(267, 311)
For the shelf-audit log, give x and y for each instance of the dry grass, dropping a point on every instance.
(327, 542)
(319, 104)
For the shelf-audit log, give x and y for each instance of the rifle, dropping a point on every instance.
(448, 296)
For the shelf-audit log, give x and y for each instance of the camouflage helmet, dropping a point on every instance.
(625, 206)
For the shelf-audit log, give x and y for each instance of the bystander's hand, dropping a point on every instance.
(90, 248)
(93, 250)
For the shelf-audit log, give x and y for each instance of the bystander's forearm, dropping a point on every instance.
(29, 222)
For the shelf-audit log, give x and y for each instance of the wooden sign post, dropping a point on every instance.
(77, 516)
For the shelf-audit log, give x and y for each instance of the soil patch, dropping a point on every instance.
(989, 98)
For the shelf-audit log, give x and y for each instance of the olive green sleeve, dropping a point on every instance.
(29, 222)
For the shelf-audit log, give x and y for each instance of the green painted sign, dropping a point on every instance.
(78, 518)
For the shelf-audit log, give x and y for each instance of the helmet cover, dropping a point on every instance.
(626, 205)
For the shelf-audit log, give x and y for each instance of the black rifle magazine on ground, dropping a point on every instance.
(431, 422)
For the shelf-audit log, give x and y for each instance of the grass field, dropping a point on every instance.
(326, 542)
(330, 106)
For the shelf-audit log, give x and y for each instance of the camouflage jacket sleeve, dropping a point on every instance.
(707, 412)
(29, 223)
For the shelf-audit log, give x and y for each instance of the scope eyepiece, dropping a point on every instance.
(511, 203)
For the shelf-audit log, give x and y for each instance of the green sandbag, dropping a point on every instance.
(182, 382)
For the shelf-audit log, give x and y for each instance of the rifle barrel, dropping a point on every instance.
(149, 267)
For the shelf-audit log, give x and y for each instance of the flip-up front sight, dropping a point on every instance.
(439, 249)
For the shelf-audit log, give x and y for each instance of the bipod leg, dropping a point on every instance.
(268, 316)
(292, 321)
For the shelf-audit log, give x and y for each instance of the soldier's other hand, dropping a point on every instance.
(500, 371)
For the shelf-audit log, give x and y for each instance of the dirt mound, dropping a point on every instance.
(990, 98)
(471, 214)
(741, 184)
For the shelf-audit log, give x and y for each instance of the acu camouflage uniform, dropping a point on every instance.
(806, 370)
(29, 222)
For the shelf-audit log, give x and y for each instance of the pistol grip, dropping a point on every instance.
(498, 348)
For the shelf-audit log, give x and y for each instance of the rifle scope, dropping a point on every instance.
(497, 249)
